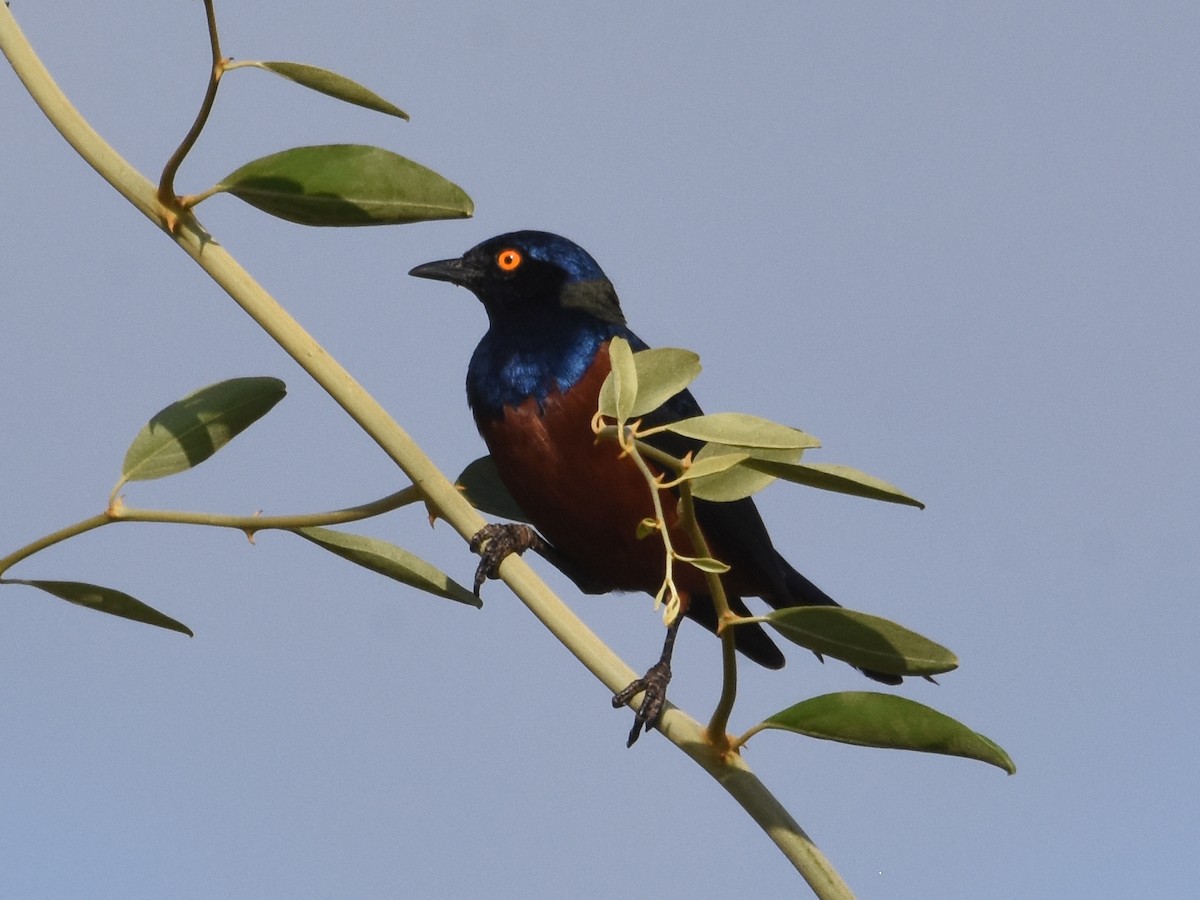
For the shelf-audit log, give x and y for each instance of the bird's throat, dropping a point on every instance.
(518, 361)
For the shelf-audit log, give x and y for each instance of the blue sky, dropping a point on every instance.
(956, 242)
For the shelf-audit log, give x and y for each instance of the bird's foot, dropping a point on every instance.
(494, 543)
(654, 683)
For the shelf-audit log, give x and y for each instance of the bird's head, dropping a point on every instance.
(529, 273)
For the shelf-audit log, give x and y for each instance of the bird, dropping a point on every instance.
(533, 385)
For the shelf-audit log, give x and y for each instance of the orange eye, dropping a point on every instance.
(509, 260)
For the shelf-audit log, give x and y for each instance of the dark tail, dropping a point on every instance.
(750, 640)
(803, 592)
(753, 640)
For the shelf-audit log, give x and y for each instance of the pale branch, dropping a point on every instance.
(685, 732)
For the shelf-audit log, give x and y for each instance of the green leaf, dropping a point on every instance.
(645, 528)
(712, 465)
(333, 84)
(481, 485)
(346, 184)
(739, 481)
(745, 431)
(620, 388)
(872, 719)
(106, 600)
(706, 564)
(831, 477)
(661, 374)
(390, 560)
(863, 640)
(190, 430)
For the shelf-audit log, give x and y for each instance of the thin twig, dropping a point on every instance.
(166, 183)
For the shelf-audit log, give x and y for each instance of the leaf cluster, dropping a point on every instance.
(335, 185)
(328, 185)
(183, 435)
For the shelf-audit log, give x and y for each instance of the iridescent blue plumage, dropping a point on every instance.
(558, 251)
(513, 362)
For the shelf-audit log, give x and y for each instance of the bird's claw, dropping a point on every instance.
(654, 683)
(495, 542)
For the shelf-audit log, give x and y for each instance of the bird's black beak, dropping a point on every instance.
(456, 271)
